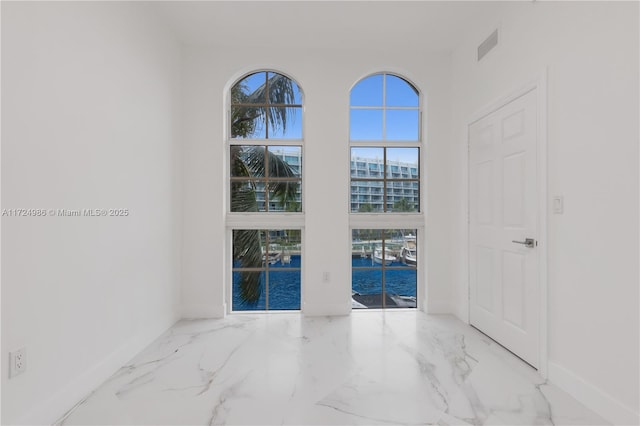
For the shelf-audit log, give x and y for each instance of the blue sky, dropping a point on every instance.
(382, 107)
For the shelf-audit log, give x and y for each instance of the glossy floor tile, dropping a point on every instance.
(370, 368)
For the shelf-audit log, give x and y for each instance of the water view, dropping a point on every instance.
(284, 285)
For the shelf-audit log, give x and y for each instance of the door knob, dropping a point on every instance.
(528, 242)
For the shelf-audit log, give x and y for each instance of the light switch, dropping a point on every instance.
(558, 204)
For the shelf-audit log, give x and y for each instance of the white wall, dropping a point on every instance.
(326, 77)
(89, 96)
(591, 53)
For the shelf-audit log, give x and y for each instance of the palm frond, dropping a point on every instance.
(247, 249)
(246, 120)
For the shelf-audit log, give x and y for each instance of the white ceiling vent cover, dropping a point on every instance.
(486, 46)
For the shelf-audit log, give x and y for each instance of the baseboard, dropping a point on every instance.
(591, 396)
(61, 402)
(198, 311)
(436, 307)
(326, 309)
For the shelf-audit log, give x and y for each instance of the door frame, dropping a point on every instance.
(540, 86)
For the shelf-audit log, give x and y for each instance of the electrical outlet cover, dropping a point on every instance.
(17, 362)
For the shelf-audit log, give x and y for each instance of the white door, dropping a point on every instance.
(503, 271)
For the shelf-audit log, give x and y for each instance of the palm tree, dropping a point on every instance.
(403, 205)
(250, 110)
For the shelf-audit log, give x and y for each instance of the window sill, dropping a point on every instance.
(265, 220)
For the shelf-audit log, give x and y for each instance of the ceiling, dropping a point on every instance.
(429, 25)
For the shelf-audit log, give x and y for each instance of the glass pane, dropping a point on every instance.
(401, 288)
(284, 248)
(366, 124)
(285, 196)
(367, 92)
(285, 161)
(248, 248)
(297, 94)
(401, 204)
(246, 161)
(249, 90)
(400, 92)
(284, 290)
(363, 244)
(402, 162)
(285, 123)
(402, 125)
(249, 291)
(283, 90)
(363, 157)
(247, 196)
(248, 122)
(366, 288)
(366, 196)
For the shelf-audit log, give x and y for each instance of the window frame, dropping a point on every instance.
(384, 268)
(266, 268)
(388, 219)
(261, 220)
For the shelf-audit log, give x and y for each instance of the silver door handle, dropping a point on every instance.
(528, 242)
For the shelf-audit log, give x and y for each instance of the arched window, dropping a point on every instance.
(265, 178)
(385, 142)
(385, 138)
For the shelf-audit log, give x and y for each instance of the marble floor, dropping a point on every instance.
(370, 368)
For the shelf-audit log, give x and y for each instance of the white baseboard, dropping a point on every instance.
(61, 402)
(591, 396)
(323, 309)
(436, 307)
(203, 311)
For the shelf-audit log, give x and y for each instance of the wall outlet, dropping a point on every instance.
(17, 362)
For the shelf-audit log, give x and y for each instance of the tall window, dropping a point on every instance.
(385, 143)
(265, 176)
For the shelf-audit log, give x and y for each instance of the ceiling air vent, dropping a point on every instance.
(486, 46)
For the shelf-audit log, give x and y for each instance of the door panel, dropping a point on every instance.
(513, 190)
(486, 277)
(513, 282)
(504, 287)
(484, 177)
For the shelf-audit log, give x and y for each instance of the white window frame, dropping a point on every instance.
(395, 220)
(267, 220)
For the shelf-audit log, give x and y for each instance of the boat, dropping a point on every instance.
(272, 257)
(403, 301)
(388, 257)
(409, 250)
(375, 301)
(354, 303)
(285, 259)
